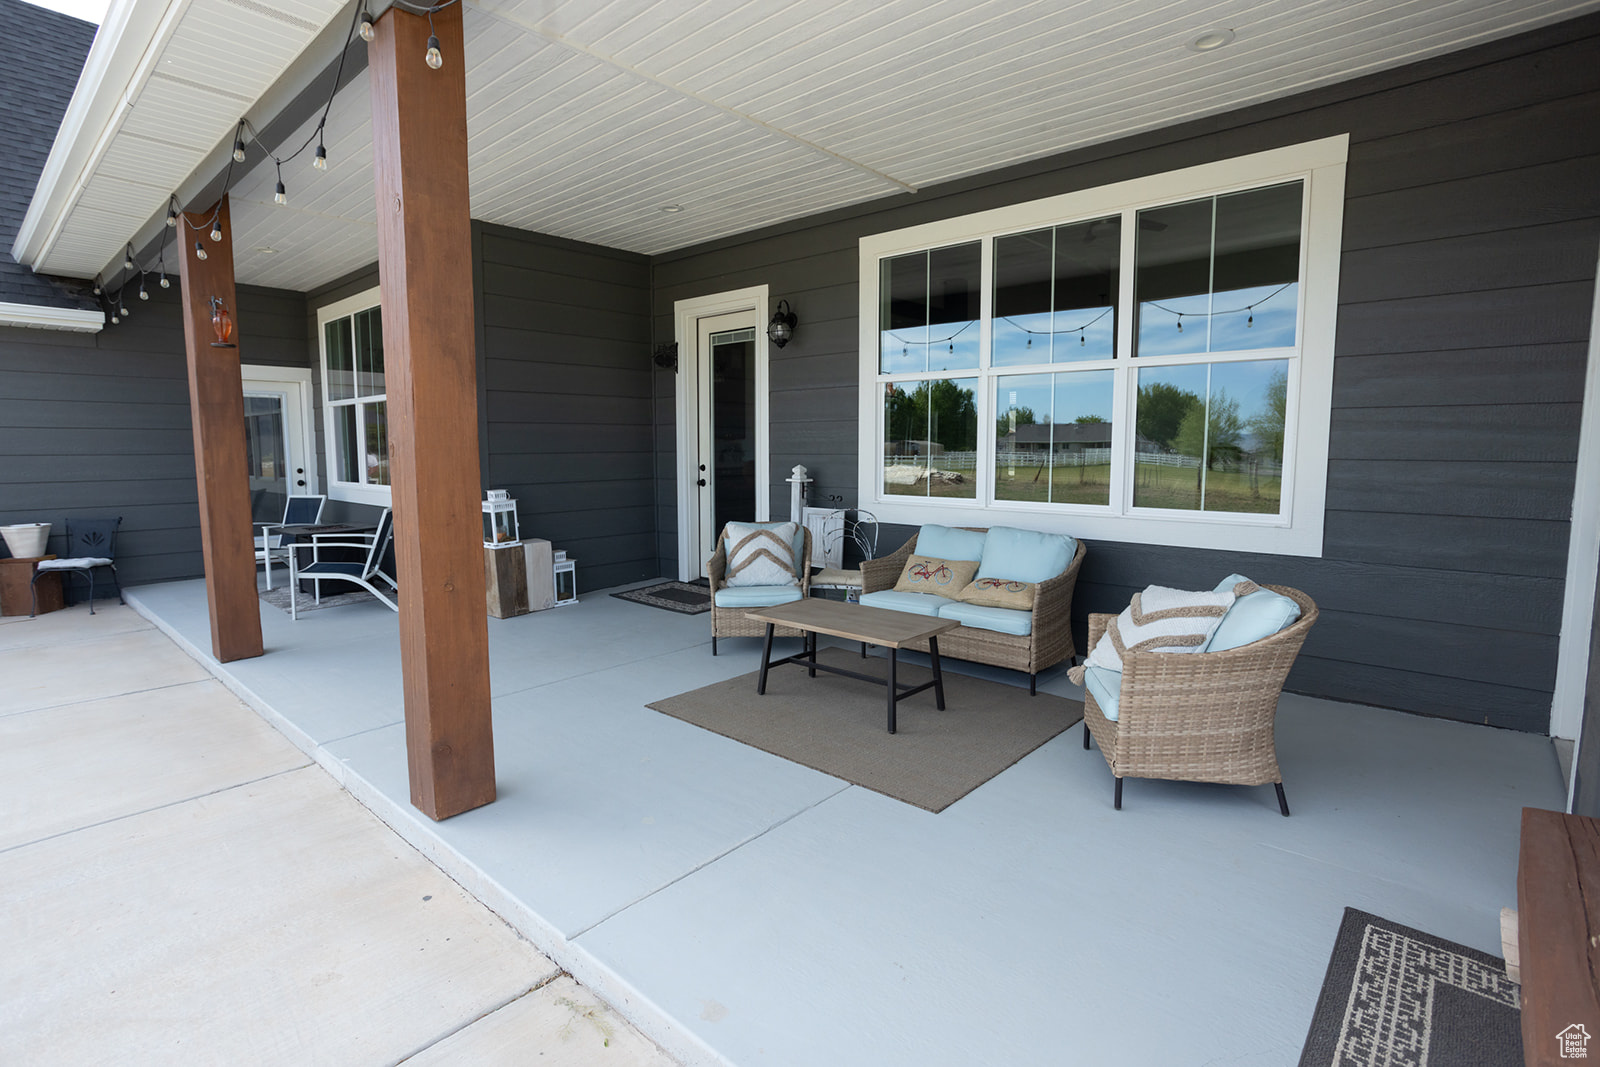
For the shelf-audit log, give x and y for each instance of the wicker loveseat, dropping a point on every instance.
(1050, 638)
(728, 617)
(1201, 716)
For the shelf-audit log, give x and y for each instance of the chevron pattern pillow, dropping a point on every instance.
(762, 554)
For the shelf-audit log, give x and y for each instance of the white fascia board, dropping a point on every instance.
(49, 318)
(125, 50)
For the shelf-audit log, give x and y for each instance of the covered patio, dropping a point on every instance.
(740, 908)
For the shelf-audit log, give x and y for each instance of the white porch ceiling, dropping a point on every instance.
(585, 119)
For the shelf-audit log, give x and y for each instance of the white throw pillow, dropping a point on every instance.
(1161, 620)
(762, 554)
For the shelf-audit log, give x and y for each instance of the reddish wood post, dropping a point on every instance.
(216, 408)
(419, 142)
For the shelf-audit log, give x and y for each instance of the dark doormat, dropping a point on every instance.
(686, 598)
(1398, 996)
(838, 725)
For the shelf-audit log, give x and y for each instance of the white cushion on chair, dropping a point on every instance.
(756, 596)
(77, 563)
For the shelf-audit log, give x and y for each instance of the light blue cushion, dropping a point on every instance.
(1260, 614)
(756, 596)
(799, 539)
(1000, 620)
(1025, 555)
(915, 603)
(1106, 685)
(950, 542)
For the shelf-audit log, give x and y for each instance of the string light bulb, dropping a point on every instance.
(367, 30)
(142, 294)
(238, 148)
(165, 284)
(216, 229)
(98, 288)
(127, 259)
(114, 319)
(122, 308)
(172, 217)
(435, 57)
(320, 161)
(199, 250)
(280, 196)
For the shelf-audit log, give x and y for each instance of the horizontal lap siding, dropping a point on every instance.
(1472, 223)
(97, 425)
(565, 350)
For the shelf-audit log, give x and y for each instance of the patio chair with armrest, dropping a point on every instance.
(729, 604)
(357, 572)
(305, 510)
(91, 545)
(1198, 716)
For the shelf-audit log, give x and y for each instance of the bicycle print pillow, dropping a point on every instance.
(999, 593)
(941, 577)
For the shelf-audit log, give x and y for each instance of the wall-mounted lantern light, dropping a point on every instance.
(781, 329)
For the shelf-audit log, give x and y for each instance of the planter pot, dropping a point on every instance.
(26, 540)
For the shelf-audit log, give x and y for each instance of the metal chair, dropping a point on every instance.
(91, 544)
(303, 510)
(361, 573)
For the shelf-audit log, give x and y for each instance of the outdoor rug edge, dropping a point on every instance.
(1475, 1017)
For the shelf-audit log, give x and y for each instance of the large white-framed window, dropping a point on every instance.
(1150, 361)
(354, 401)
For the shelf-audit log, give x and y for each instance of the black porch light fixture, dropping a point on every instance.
(781, 329)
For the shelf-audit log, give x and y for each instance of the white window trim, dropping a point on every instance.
(353, 492)
(1321, 165)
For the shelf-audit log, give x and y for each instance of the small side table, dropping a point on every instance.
(15, 577)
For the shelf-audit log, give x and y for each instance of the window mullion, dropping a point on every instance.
(988, 406)
(1124, 392)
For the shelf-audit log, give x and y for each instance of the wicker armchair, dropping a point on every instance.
(1199, 717)
(1049, 643)
(731, 622)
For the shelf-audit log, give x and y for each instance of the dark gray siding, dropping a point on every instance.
(97, 425)
(565, 357)
(1471, 227)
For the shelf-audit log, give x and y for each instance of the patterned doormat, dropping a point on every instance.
(278, 597)
(686, 598)
(1394, 995)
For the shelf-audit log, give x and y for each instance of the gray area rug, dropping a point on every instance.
(278, 597)
(686, 598)
(1397, 996)
(839, 726)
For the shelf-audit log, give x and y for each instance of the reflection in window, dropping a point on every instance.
(1219, 274)
(357, 414)
(340, 374)
(930, 438)
(1055, 293)
(1053, 437)
(377, 443)
(928, 310)
(1210, 437)
(369, 353)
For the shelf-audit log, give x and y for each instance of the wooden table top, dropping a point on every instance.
(855, 622)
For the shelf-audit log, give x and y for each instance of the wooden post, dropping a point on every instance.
(419, 142)
(216, 408)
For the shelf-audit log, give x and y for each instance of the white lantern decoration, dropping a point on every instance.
(500, 529)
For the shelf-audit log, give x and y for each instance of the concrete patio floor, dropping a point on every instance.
(179, 884)
(741, 909)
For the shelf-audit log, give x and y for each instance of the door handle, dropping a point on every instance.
(701, 482)
(301, 483)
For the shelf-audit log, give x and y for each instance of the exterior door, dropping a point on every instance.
(278, 452)
(727, 432)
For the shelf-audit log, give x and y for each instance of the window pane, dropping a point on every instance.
(1022, 265)
(346, 446)
(341, 383)
(928, 310)
(1053, 438)
(1220, 274)
(1249, 406)
(1173, 282)
(1257, 269)
(931, 438)
(1211, 437)
(369, 353)
(376, 417)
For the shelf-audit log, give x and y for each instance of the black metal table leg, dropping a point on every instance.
(938, 676)
(894, 689)
(811, 651)
(766, 658)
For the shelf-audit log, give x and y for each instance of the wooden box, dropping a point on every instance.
(519, 579)
(15, 596)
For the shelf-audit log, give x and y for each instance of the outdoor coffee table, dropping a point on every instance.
(854, 622)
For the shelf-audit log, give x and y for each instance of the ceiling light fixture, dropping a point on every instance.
(672, 209)
(1210, 40)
